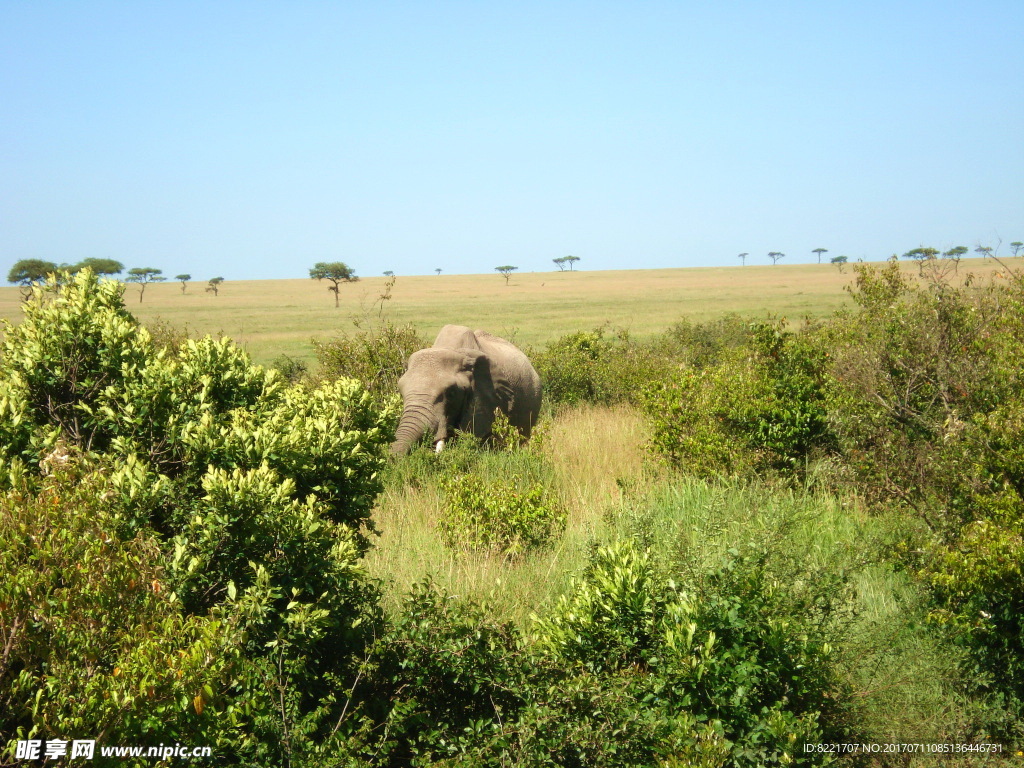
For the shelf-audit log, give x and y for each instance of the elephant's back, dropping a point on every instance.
(457, 337)
(500, 348)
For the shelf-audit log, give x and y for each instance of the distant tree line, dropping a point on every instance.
(29, 272)
(921, 254)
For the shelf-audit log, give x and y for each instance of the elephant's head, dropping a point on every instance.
(444, 390)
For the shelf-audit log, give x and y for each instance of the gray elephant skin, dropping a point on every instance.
(459, 382)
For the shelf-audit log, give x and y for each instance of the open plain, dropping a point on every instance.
(274, 317)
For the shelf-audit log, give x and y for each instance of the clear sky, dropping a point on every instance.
(253, 139)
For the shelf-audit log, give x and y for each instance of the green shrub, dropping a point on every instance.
(291, 369)
(740, 648)
(909, 371)
(590, 366)
(498, 517)
(95, 642)
(915, 397)
(759, 408)
(248, 495)
(599, 366)
(57, 364)
(701, 345)
(451, 685)
(569, 367)
(374, 356)
(925, 399)
(443, 681)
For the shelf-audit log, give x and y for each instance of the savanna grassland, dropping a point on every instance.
(730, 537)
(280, 317)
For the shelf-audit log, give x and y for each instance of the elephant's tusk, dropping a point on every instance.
(439, 447)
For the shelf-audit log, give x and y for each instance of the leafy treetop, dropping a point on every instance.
(100, 266)
(29, 271)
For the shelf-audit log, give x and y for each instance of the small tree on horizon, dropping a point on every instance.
(438, 270)
(1016, 245)
(840, 262)
(560, 263)
(743, 258)
(337, 272)
(820, 251)
(213, 285)
(775, 256)
(955, 254)
(388, 273)
(506, 271)
(570, 260)
(921, 255)
(144, 276)
(184, 279)
(984, 250)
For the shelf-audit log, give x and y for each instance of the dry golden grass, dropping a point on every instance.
(597, 453)
(274, 317)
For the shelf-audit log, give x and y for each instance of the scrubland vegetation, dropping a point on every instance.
(726, 541)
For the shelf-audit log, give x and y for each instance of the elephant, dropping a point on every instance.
(458, 383)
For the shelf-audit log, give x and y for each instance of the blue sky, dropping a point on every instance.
(253, 139)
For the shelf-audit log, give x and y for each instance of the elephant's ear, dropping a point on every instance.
(483, 383)
(476, 363)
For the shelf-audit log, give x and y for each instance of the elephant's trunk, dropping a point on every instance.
(417, 419)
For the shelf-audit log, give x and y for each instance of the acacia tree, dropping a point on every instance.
(101, 267)
(144, 276)
(921, 255)
(820, 251)
(336, 272)
(560, 263)
(840, 262)
(438, 270)
(775, 256)
(570, 260)
(743, 258)
(506, 271)
(1016, 245)
(984, 250)
(29, 271)
(955, 254)
(213, 285)
(184, 279)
